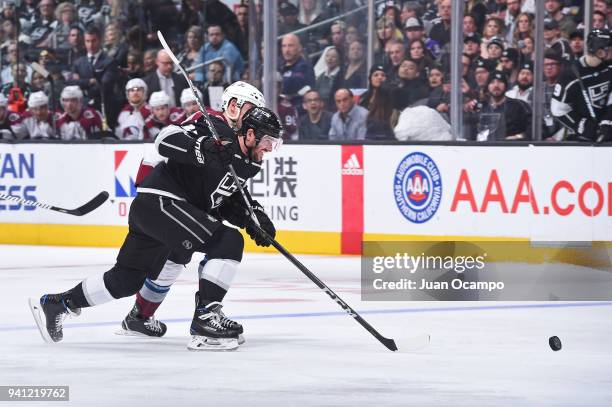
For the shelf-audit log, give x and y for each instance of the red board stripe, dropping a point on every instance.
(352, 167)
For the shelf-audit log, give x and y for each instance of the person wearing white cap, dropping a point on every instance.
(130, 123)
(36, 122)
(161, 115)
(7, 120)
(77, 123)
(188, 101)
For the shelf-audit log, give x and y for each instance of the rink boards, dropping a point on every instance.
(328, 198)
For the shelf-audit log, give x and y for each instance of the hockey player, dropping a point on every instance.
(7, 120)
(188, 101)
(237, 100)
(77, 123)
(161, 115)
(36, 122)
(581, 99)
(178, 211)
(130, 123)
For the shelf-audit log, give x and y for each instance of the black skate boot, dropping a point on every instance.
(225, 321)
(55, 307)
(207, 331)
(136, 325)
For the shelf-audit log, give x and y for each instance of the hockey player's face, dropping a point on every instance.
(161, 113)
(135, 95)
(40, 113)
(71, 106)
(190, 108)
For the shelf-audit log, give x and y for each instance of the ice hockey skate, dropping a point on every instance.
(55, 309)
(225, 321)
(135, 325)
(207, 331)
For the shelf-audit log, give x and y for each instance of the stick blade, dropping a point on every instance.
(91, 205)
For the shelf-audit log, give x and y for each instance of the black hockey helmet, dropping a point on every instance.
(598, 39)
(266, 125)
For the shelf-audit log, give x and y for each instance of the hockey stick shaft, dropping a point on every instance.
(80, 211)
(209, 123)
(585, 95)
(389, 343)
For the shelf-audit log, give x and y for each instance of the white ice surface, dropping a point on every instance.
(300, 350)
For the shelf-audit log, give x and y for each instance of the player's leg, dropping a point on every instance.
(224, 253)
(140, 320)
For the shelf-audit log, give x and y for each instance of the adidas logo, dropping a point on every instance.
(352, 166)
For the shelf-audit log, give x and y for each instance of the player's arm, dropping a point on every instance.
(565, 97)
(194, 146)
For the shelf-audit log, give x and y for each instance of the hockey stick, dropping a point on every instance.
(585, 96)
(415, 343)
(80, 211)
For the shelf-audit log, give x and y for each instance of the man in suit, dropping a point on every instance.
(166, 80)
(97, 74)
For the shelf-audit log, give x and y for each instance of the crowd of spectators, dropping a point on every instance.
(93, 68)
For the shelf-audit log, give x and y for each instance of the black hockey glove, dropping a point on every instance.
(605, 131)
(234, 210)
(210, 151)
(264, 223)
(587, 130)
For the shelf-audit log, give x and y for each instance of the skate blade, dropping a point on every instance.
(204, 343)
(36, 313)
(241, 339)
(136, 334)
(413, 343)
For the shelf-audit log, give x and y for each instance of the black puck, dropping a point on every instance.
(555, 343)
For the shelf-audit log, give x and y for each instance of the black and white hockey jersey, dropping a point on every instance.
(204, 185)
(577, 109)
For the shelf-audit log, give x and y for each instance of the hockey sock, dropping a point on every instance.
(75, 297)
(216, 276)
(150, 297)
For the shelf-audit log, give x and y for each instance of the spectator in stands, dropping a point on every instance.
(355, 70)
(6, 74)
(115, 45)
(439, 91)
(76, 48)
(288, 115)
(440, 30)
(194, 39)
(419, 55)
(328, 74)
(298, 75)
(511, 19)
(310, 14)
(503, 118)
(161, 115)
(77, 122)
(337, 35)
(131, 119)
(554, 11)
(576, 42)
(495, 48)
(242, 30)
(220, 47)
(38, 83)
(208, 13)
(133, 68)
(316, 122)
(524, 29)
(409, 9)
(27, 13)
(478, 10)
(471, 46)
(164, 78)
(351, 34)
(148, 62)
(349, 121)
(481, 77)
(523, 90)
(397, 53)
(526, 49)
(599, 20)
(289, 19)
(189, 103)
(215, 77)
(44, 25)
(385, 31)
(554, 40)
(18, 91)
(66, 17)
(553, 67)
(493, 32)
(96, 74)
(414, 30)
(382, 117)
(376, 79)
(36, 123)
(508, 63)
(411, 88)
(7, 120)
(469, 25)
